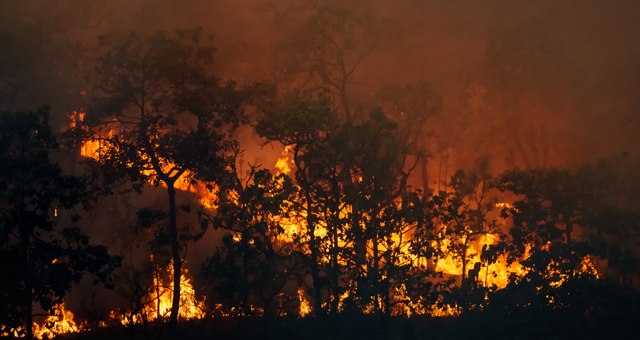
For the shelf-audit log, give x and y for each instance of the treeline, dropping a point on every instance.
(341, 220)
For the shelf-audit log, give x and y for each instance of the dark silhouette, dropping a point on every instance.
(39, 259)
(159, 116)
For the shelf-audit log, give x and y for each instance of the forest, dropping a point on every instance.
(318, 170)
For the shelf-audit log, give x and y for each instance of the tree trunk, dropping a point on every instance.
(569, 229)
(464, 259)
(335, 289)
(28, 312)
(386, 286)
(376, 265)
(311, 227)
(177, 263)
(387, 308)
(424, 171)
(28, 282)
(246, 309)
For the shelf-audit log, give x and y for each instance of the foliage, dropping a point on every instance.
(254, 262)
(161, 119)
(351, 178)
(565, 216)
(326, 51)
(42, 259)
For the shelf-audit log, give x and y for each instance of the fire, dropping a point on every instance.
(93, 148)
(159, 301)
(494, 274)
(190, 307)
(284, 163)
(158, 307)
(75, 118)
(60, 323)
(305, 308)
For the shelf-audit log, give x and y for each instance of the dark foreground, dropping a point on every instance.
(357, 326)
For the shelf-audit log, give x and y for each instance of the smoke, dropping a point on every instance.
(572, 64)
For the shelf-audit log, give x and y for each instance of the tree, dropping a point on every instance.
(40, 259)
(316, 145)
(348, 175)
(518, 98)
(464, 213)
(328, 49)
(412, 105)
(255, 262)
(566, 227)
(160, 119)
(566, 216)
(378, 196)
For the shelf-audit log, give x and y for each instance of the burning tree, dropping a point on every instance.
(464, 212)
(307, 128)
(566, 217)
(42, 259)
(377, 239)
(569, 234)
(254, 263)
(159, 118)
(350, 178)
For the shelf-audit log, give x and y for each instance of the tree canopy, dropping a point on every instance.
(43, 257)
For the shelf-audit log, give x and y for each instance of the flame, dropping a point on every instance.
(284, 163)
(305, 308)
(494, 274)
(295, 229)
(76, 117)
(94, 148)
(160, 299)
(61, 323)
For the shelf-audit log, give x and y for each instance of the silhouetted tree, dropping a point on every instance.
(344, 170)
(161, 119)
(39, 259)
(565, 216)
(327, 50)
(412, 105)
(464, 213)
(316, 143)
(254, 263)
(377, 271)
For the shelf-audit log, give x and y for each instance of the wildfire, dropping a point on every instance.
(61, 323)
(190, 307)
(284, 164)
(160, 299)
(494, 274)
(93, 149)
(305, 308)
(158, 307)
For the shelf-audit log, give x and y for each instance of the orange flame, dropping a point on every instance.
(61, 323)
(160, 300)
(94, 148)
(305, 308)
